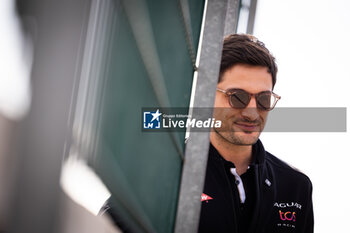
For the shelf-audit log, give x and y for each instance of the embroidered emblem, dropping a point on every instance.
(287, 212)
(205, 197)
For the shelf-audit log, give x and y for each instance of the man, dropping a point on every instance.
(246, 188)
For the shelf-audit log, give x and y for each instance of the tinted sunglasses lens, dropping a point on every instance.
(239, 99)
(265, 101)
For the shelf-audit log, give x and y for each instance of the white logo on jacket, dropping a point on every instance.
(290, 204)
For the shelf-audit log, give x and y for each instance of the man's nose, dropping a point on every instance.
(251, 111)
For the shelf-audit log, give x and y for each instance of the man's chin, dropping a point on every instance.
(239, 138)
(245, 138)
(247, 142)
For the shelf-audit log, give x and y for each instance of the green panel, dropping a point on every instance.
(143, 170)
(196, 9)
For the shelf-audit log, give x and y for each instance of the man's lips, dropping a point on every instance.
(247, 126)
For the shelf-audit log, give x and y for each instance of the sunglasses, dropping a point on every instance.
(240, 99)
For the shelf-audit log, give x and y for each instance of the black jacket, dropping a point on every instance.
(282, 197)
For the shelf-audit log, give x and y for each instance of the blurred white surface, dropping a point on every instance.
(82, 184)
(16, 60)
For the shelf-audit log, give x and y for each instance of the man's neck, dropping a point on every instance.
(239, 155)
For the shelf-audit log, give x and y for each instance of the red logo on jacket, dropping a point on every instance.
(205, 197)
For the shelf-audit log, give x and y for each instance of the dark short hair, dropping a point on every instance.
(246, 49)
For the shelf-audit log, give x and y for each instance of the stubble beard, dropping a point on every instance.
(232, 134)
(240, 138)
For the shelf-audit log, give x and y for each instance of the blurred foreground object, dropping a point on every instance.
(96, 64)
(16, 60)
(33, 136)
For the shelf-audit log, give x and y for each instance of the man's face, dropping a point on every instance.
(242, 126)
